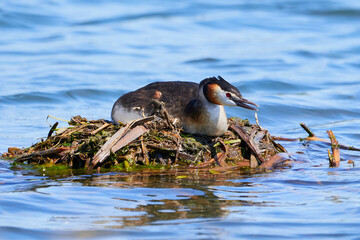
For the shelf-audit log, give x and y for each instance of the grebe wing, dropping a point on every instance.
(175, 95)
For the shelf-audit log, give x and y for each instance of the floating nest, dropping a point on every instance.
(148, 143)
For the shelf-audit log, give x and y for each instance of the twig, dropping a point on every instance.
(68, 133)
(52, 129)
(178, 145)
(219, 158)
(332, 162)
(311, 134)
(113, 145)
(334, 158)
(145, 153)
(120, 139)
(214, 159)
(248, 141)
(170, 149)
(160, 109)
(167, 117)
(100, 128)
(43, 153)
(257, 121)
(49, 116)
(314, 138)
(284, 139)
(228, 142)
(274, 160)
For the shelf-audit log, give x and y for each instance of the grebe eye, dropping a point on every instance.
(228, 95)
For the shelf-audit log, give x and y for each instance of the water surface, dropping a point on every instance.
(299, 60)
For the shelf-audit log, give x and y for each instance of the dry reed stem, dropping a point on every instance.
(100, 128)
(144, 151)
(335, 156)
(248, 141)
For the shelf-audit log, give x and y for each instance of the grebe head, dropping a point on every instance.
(219, 91)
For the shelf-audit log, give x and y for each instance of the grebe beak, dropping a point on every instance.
(242, 102)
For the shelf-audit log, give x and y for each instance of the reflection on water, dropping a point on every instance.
(301, 202)
(175, 197)
(299, 60)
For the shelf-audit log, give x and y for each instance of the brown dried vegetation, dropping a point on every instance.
(150, 143)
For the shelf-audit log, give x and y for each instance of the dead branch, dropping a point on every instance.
(121, 138)
(274, 160)
(162, 138)
(311, 134)
(334, 158)
(257, 121)
(314, 138)
(274, 138)
(248, 141)
(52, 129)
(178, 145)
(219, 158)
(100, 128)
(144, 151)
(43, 153)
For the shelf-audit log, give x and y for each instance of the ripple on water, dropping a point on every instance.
(60, 97)
(240, 64)
(26, 20)
(126, 18)
(349, 13)
(277, 86)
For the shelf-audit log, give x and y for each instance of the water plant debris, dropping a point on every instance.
(334, 154)
(148, 143)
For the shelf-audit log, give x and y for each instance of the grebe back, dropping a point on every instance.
(200, 107)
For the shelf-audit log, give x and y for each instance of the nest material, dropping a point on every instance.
(148, 143)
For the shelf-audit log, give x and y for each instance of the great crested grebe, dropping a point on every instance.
(200, 107)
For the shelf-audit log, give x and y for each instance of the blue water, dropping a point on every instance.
(299, 60)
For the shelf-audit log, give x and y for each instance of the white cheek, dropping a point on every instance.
(225, 100)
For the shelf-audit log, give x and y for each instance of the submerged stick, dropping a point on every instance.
(334, 158)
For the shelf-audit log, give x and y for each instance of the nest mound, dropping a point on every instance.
(148, 143)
